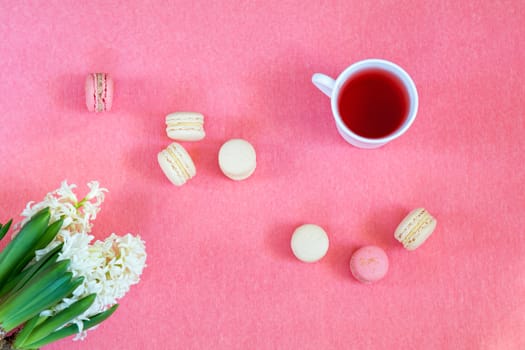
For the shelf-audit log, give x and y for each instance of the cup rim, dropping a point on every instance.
(395, 69)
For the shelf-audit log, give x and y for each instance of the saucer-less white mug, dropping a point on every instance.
(332, 89)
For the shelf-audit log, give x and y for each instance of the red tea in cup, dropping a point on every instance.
(373, 103)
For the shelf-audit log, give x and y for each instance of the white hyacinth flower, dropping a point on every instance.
(63, 202)
(110, 267)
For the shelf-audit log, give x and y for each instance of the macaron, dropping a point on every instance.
(185, 126)
(176, 164)
(237, 159)
(415, 228)
(99, 92)
(369, 264)
(309, 243)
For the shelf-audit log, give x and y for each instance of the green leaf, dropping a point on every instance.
(38, 216)
(5, 228)
(73, 329)
(21, 244)
(61, 318)
(17, 282)
(60, 289)
(47, 236)
(99, 318)
(27, 329)
(50, 233)
(36, 288)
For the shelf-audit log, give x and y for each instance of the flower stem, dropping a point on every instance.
(81, 203)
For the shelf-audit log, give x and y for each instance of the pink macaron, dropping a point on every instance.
(99, 92)
(369, 264)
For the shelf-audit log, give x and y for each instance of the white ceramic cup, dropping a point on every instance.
(332, 89)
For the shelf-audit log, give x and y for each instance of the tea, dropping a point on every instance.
(373, 103)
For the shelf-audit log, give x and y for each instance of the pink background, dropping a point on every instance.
(220, 271)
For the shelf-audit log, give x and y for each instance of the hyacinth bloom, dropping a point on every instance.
(53, 251)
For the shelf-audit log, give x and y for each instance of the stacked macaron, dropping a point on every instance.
(99, 92)
(176, 164)
(415, 228)
(185, 126)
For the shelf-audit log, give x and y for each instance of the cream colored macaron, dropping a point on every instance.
(309, 243)
(176, 164)
(237, 159)
(415, 229)
(185, 126)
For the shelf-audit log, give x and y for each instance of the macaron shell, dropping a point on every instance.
(186, 135)
(242, 176)
(109, 92)
(90, 93)
(369, 264)
(237, 159)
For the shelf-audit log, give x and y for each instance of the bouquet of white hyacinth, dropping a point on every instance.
(54, 282)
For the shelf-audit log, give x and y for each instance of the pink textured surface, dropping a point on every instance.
(221, 274)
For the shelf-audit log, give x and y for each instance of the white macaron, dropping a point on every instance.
(309, 243)
(237, 159)
(185, 126)
(415, 228)
(176, 164)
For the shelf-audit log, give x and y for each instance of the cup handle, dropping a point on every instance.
(324, 83)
